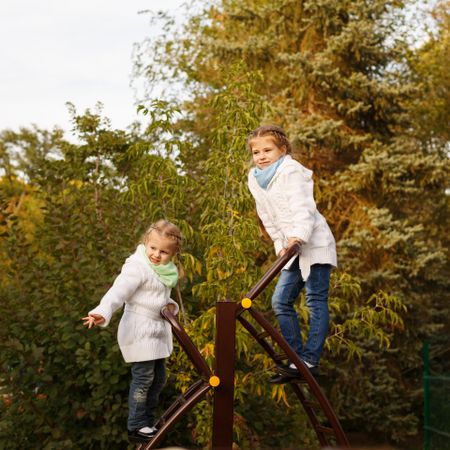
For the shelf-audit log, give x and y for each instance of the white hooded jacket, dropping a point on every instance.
(143, 335)
(287, 210)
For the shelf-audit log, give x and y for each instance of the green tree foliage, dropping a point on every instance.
(93, 201)
(66, 384)
(335, 75)
(432, 105)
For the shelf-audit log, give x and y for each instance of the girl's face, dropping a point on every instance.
(159, 249)
(265, 152)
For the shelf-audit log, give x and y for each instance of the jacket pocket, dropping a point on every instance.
(150, 329)
(127, 329)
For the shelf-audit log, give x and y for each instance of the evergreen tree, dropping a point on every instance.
(366, 113)
(335, 76)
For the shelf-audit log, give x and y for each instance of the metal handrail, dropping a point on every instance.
(186, 343)
(273, 271)
(227, 347)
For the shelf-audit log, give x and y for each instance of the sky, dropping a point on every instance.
(78, 51)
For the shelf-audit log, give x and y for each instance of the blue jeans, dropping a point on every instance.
(147, 382)
(286, 292)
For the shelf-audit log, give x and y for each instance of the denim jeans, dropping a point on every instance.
(286, 292)
(147, 382)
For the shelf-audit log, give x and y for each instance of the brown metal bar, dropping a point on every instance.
(272, 272)
(326, 430)
(341, 438)
(183, 409)
(191, 390)
(186, 343)
(222, 434)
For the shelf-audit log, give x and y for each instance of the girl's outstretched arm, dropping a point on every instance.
(92, 320)
(129, 279)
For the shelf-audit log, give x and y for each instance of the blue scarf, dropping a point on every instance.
(264, 176)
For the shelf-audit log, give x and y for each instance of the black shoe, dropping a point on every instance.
(140, 436)
(294, 373)
(283, 375)
(278, 378)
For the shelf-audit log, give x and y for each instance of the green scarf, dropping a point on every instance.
(167, 273)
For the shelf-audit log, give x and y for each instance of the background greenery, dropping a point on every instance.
(366, 110)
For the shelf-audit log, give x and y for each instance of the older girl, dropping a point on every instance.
(283, 192)
(145, 338)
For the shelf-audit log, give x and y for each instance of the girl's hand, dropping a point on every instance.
(292, 241)
(92, 320)
(172, 308)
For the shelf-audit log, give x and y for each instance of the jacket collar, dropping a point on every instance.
(286, 161)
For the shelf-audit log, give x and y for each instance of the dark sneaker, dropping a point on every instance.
(283, 376)
(142, 435)
(278, 378)
(294, 373)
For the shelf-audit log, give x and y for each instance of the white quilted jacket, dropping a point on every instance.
(143, 334)
(287, 209)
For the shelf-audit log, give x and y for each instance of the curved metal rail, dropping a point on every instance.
(320, 404)
(301, 386)
(193, 393)
(186, 344)
(180, 407)
(305, 388)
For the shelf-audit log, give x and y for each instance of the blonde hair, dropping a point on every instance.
(167, 229)
(277, 133)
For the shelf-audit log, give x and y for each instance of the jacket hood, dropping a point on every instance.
(139, 257)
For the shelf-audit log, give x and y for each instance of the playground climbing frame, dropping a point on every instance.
(317, 407)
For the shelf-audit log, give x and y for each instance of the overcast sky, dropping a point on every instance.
(55, 51)
(78, 51)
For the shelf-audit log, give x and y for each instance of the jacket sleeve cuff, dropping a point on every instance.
(278, 244)
(104, 313)
(303, 234)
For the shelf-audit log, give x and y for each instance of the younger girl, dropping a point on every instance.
(145, 338)
(283, 192)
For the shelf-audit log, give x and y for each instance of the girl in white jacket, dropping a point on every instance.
(283, 192)
(145, 338)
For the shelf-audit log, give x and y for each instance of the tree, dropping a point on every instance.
(93, 200)
(88, 221)
(431, 107)
(335, 75)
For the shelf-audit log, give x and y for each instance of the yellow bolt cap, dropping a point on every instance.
(246, 303)
(214, 381)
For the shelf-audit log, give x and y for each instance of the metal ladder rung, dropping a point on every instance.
(298, 381)
(280, 356)
(313, 405)
(262, 335)
(180, 400)
(325, 430)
